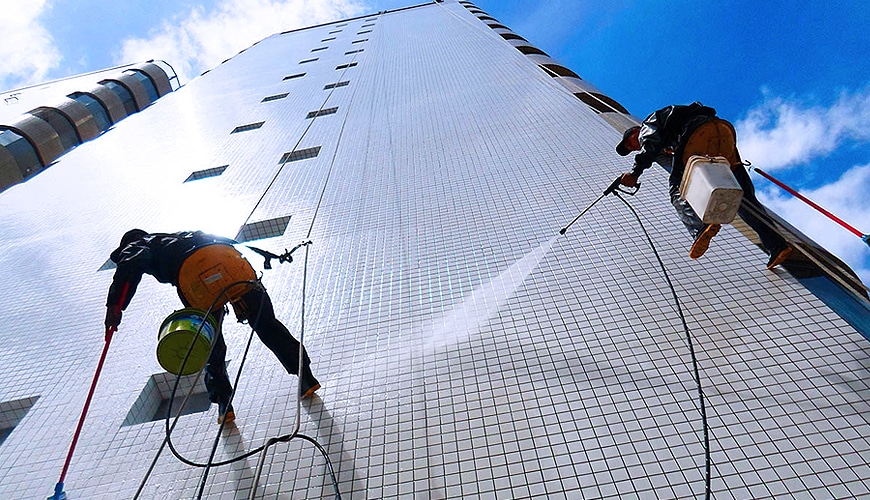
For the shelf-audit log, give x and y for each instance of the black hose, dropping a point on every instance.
(691, 344)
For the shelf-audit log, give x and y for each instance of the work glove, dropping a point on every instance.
(113, 317)
(628, 179)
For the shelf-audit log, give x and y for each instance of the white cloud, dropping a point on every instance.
(847, 198)
(27, 51)
(782, 132)
(201, 39)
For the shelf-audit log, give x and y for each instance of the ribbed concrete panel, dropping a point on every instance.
(43, 137)
(158, 76)
(81, 118)
(136, 88)
(113, 104)
(466, 350)
(9, 172)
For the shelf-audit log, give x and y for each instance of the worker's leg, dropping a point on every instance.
(216, 380)
(687, 215)
(273, 333)
(772, 242)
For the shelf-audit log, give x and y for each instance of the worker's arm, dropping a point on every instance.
(130, 267)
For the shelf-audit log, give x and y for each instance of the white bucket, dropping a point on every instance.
(711, 189)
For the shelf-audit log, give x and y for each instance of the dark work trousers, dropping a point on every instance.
(272, 333)
(772, 242)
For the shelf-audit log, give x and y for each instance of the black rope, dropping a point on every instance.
(691, 344)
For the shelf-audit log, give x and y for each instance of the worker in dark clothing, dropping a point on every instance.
(201, 266)
(670, 136)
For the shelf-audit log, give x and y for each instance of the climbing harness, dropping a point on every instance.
(614, 188)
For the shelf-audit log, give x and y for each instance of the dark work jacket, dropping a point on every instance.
(159, 255)
(668, 128)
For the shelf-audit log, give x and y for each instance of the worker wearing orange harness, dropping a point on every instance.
(670, 136)
(201, 267)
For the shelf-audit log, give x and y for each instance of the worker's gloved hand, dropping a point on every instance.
(113, 317)
(629, 180)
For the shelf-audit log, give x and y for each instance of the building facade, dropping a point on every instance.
(466, 349)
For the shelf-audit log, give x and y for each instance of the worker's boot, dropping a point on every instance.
(778, 257)
(309, 384)
(226, 413)
(702, 242)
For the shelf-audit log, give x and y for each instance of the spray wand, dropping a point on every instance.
(614, 186)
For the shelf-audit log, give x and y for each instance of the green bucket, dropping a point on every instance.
(177, 332)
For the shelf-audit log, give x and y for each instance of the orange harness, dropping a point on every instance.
(210, 270)
(713, 138)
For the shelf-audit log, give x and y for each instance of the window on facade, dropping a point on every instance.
(364, 32)
(292, 77)
(526, 49)
(11, 413)
(125, 95)
(360, 41)
(308, 60)
(557, 70)
(153, 402)
(204, 174)
(146, 81)
(318, 49)
(366, 25)
(512, 36)
(335, 31)
(275, 97)
(336, 85)
(300, 154)
(322, 112)
(245, 128)
(101, 115)
(23, 151)
(357, 51)
(327, 39)
(69, 138)
(263, 229)
(345, 66)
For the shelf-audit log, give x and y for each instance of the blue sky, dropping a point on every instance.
(794, 77)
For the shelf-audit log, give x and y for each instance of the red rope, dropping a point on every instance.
(811, 203)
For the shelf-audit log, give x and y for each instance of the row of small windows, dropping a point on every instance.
(598, 102)
(357, 51)
(45, 133)
(308, 60)
(292, 77)
(318, 49)
(345, 66)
